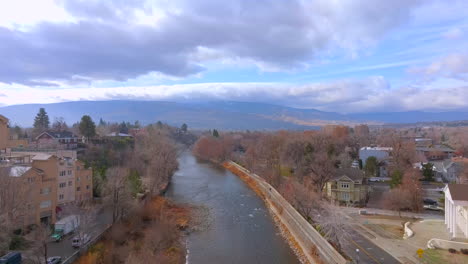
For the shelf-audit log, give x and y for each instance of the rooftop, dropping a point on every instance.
(59, 134)
(18, 171)
(352, 173)
(458, 192)
(42, 156)
(377, 148)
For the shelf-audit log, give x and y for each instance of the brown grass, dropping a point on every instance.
(160, 219)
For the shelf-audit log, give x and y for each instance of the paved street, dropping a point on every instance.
(64, 247)
(368, 251)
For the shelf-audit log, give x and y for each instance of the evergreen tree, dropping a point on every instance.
(101, 122)
(87, 127)
(397, 177)
(123, 128)
(428, 172)
(41, 121)
(371, 166)
(215, 133)
(184, 128)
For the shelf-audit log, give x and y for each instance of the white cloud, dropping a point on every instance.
(451, 66)
(369, 94)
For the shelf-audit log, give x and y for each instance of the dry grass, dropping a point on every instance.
(153, 233)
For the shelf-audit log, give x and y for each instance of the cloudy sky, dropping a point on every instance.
(334, 55)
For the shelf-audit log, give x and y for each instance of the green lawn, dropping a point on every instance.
(436, 256)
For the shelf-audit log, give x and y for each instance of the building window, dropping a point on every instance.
(69, 172)
(62, 184)
(345, 196)
(45, 204)
(61, 197)
(87, 187)
(78, 189)
(70, 183)
(345, 185)
(45, 191)
(63, 173)
(78, 179)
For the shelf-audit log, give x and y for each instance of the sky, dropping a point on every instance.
(344, 56)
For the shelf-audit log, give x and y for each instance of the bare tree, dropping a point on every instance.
(333, 224)
(59, 124)
(396, 200)
(41, 238)
(15, 197)
(118, 192)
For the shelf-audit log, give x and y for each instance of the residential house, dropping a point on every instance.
(423, 142)
(57, 140)
(456, 210)
(435, 152)
(446, 170)
(349, 186)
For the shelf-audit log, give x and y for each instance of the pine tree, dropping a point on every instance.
(215, 133)
(87, 127)
(41, 121)
(184, 128)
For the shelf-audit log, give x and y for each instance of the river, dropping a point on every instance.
(239, 228)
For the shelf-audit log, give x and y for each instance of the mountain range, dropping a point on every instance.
(226, 115)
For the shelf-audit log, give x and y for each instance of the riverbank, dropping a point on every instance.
(154, 234)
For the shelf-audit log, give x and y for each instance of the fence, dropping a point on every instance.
(309, 240)
(85, 248)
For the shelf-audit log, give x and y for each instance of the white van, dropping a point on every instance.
(80, 241)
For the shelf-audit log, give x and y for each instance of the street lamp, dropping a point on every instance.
(357, 255)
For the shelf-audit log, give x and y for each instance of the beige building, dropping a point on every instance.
(30, 190)
(349, 186)
(5, 140)
(83, 182)
(47, 182)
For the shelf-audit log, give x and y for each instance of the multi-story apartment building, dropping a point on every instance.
(66, 181)
(29, 190)
(83, 182)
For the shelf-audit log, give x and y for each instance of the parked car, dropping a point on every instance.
(433, 207)
(11, 258)
(428, 201)
(54, 260)
(79, 241)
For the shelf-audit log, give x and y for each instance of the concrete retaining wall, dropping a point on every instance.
(308, 239)
(446, 244)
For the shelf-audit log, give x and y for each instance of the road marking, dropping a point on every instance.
(365, 251)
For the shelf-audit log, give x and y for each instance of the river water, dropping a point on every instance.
(238, 227)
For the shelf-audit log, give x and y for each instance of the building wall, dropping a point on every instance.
(364, 154)
(4, 133)
(66, 181)
(84, 182)
(48, 188)
(355, 192)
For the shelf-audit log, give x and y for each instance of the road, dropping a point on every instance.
(368, 251)
(64, 247)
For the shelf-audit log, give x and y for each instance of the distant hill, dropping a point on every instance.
(221, 115)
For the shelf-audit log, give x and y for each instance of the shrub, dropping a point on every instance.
(17, 243)
(464, 251)
(453, 251)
